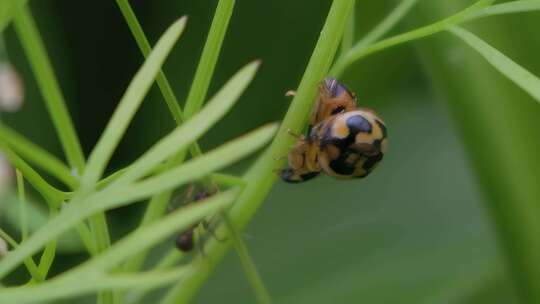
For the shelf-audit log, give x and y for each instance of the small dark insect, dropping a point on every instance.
(342, 140)
(185, 241)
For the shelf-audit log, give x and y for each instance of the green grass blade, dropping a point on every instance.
(261, 176)
(163, 84)
(23, 207)
(91, 282)
(387, 23)
(114, 197)
(50, 89)
(80, 278)
(144, 46)
(129, 104)
(347, 41)
(198, 167)
(519, 6)
(28, 262)
(37, 155)
(209, 57)
(168, 260)
(68, 243)
(252, 274)
(7, 11)
(356, 54)
(193, 128)
(511, 70)
(52, 195)
(145, 237)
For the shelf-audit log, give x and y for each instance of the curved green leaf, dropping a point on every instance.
(513, 71)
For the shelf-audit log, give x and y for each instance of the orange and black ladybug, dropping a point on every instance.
(343, 140)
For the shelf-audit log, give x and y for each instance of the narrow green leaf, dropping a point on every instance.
(82, 279)
(519, 6)
(209, 57)
(28, 262)
(23, 206)
(387, 23)
(145, 237)
(348, 39)
(7, 11)
(49, 87)
(129, 104)
(52, 195)
(112, 197)
(513, 71)
(193, 128)
(197, 167)
(91, 282)
(358, 53)
(250, 270)
(37, 155)
(144, 46)
(37, 217)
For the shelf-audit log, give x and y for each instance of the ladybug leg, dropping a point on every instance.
(295, 135)
(290, 93)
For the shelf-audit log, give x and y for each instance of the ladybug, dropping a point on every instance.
(342, 140)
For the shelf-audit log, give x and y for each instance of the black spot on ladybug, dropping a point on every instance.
(340, 165)
(383, 128)
(371, 161)
(358, 123)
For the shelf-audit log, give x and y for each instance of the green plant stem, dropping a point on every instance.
(52, 195)
(29, 263)
(37, 155)
(359, 52)
(161, 79)
(261, 293)
(23, 208)
(348, 36)
(209, 57)
(39, 61)
(261, 175)
(387, 23)
(513, 71)
(518, 6)
(47, 257)
(129, 104)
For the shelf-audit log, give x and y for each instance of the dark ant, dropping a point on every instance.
(185, 241)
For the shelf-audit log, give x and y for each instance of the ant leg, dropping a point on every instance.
(212, 230)
(199, 241)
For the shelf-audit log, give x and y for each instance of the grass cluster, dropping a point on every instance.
(115, 271)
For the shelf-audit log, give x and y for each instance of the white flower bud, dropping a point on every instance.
(11, 89)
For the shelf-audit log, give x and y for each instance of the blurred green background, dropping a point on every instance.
(418, 230)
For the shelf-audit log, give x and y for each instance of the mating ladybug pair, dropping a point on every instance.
(342, 140)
